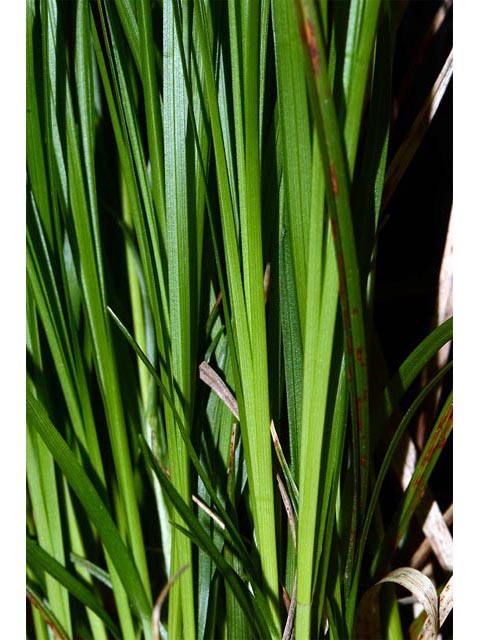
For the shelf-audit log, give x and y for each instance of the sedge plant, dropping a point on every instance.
(206, 391)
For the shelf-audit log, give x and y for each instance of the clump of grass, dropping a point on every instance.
(206, 392)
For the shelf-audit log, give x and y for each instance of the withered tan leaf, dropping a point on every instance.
(445, 605)
(211, 378)
(417, 583)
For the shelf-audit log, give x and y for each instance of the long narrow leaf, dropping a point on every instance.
(42, 561)
(258, 615)
(94, 507)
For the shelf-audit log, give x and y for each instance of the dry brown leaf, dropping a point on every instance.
(444, 310)
(433, 526)
(421, 554)
(413, 580)
(156, 611)
(445, 605)
(420, 54)
(445, 291)
(211, 378)
(408, 148)
(209, 512)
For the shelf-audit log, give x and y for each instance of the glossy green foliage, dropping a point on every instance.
(204, 185)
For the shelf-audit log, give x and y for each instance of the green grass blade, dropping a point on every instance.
(92, 569)
(77, 533)
(40, 560)
(253, 267)
(143, 117)
(368, 188)
(236, 620)
(36, 164)
(41, 277)
(337, 189)
(252, 361)
(180, 235)
(387, 460)
(335, 166)
(96, 511)
(257, 614)
(319, 344)
(292, 348)
(296, 140)
(364, 46)
(184, 434)
(46, 612)
(329, 556)
(417, 485)
(133, 166)
(44, 494)
(52, 272)
(152, 110)
(126, 13)
(409, 370)
(85, 88)
(102, 345)
(264, 25)
(73, 382)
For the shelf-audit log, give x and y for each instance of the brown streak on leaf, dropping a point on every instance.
(359, 356)
(359, 407)
(333, 180)
(285, 598)
(47, 620)
(341, 263)
(311, 43)
(334, 229)
(231, 455)
(349, 344)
